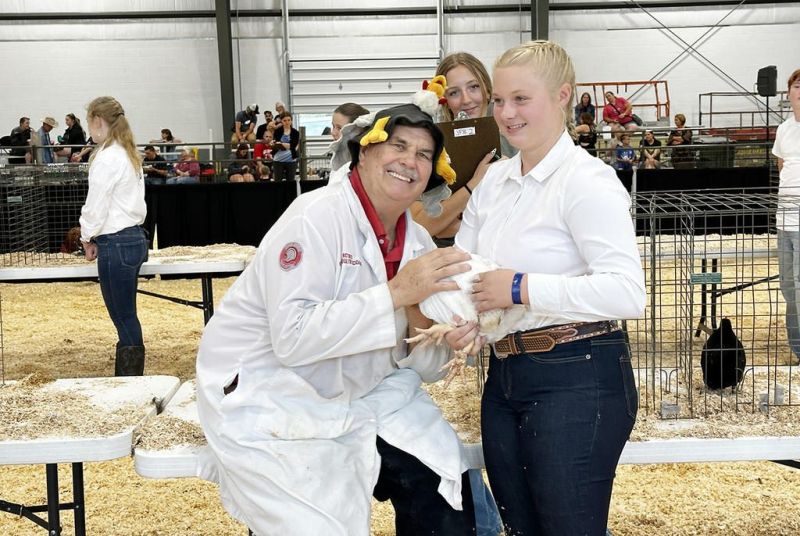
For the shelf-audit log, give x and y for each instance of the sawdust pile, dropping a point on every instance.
(32, 412)
(165, 431)
(170, 255)
(62, 330)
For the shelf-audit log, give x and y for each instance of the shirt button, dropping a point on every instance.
(380, 241)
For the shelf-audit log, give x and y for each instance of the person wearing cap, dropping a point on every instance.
(244, 125)
(45, 153)
(307, 393)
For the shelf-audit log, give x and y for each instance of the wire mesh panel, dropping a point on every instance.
(38, 207)
(707, 257)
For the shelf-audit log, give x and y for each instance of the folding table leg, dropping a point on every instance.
(77, 499)
(208, 297)
(53, 503)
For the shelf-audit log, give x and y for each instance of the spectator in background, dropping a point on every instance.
(74, 136)
(187, 170)
(263, 128)
(650, 156)
(156, 169)
(280, 109)
(787, 151)
(262, 155)
(587, 133)
(618, 113)
(168, 143)
(626, 155)
(585, 106)
(21, 137)
(84, 154)
(45, 153)
(284, 159)
(344, 114)
(244, 125)
(242, 168)
(682, 157)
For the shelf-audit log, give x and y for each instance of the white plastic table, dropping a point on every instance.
(145, 393)
(205, 270)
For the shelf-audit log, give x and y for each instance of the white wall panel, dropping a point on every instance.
(165, 71)
(172, 84)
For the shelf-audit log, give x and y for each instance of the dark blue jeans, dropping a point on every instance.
(554, 425)
(119, 257)
(412, 488)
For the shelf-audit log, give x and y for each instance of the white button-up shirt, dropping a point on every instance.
(116, 194)
(567, 224)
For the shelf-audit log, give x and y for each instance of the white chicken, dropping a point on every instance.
(442, 306)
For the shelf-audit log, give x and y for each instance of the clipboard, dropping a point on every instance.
(467, 141)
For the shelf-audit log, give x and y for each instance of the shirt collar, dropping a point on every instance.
(551, 162)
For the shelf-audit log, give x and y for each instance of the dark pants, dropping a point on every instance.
(119, 257)
(283, 171)
(412, 488)
(554, 425)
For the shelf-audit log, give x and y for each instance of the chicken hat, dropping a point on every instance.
(417, 114)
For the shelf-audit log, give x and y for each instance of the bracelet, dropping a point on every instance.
(468, 189)
(516, 298)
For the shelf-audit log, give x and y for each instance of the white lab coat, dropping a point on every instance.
(322, 369)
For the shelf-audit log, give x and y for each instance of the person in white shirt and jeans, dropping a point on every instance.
(111, 229)
(787, 149)
(560, 399)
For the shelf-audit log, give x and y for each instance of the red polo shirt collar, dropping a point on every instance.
(391, 257)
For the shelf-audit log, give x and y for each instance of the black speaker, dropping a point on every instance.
(768, 81)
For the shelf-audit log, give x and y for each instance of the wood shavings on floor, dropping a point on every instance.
(62, 329)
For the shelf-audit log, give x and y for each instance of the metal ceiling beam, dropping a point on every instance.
(540, 19)
(300, 13)
(225, 54)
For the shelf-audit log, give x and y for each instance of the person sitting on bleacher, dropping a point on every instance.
(243, 168)
(626, 155)
(169, 143)
(682, 158)
(262, 129)
(244, 125)
(262, 154)
(20, 138)
(74, 136)
(585, 106)
(650, 156)
(156, 169)
(618, 112)
(587, 133)
(187, 170)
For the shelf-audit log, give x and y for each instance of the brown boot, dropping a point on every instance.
(129, 361)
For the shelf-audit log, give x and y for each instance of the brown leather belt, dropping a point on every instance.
(545, 339)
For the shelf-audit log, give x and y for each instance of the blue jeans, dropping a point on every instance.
(554, 425)
(487, 517)
(413, 489)
(191, 179)
(789, 269)
(119, 257)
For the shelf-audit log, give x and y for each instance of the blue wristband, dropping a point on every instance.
(516, 298)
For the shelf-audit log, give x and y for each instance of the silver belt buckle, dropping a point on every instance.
(498, 354)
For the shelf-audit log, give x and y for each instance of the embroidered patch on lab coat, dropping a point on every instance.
(291, 255)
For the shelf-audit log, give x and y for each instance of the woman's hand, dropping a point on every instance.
(422, 276)
(463, 334)
(90, 250)
(481, 169)
(492, 290)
